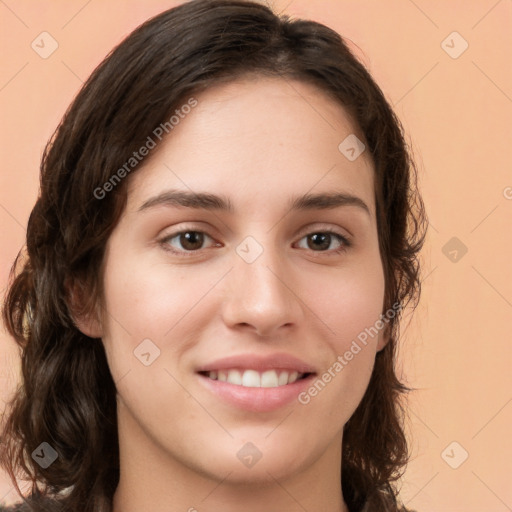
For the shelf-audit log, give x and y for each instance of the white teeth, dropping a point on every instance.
(269, 379)
(251, 379)
(254, 379)
(235, 377)
(293, 377)
(283, 379)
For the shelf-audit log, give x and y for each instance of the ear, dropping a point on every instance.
(85, 314)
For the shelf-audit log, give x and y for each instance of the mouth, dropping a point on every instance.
(256, 383)
(252, 378)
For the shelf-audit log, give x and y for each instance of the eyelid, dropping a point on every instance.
(326, 228)
(346, 239)
(163, 241)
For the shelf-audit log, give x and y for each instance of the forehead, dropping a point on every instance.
(262, 105)
(270, 134)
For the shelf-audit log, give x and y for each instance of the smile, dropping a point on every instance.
(256, 382)
(256, 379)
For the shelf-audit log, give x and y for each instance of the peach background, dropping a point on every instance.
(457, 349)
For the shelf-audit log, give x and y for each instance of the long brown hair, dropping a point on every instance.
(67, 397)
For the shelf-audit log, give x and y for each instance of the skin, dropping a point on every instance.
(258, 142)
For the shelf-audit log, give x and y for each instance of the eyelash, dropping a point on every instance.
(345, 243)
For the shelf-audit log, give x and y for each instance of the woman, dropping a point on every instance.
(227, 230)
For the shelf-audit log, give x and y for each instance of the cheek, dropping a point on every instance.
(350, 308)
(349, 303)
(152, 301)
(146, 327)
(147, 299)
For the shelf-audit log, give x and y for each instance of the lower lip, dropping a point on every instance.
(257, 399)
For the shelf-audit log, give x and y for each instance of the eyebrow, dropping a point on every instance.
(207, 201)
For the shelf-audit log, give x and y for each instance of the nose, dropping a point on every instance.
(261, 296)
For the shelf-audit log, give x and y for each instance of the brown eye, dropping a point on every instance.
(322, 241)
(191, 240)
(186, 241)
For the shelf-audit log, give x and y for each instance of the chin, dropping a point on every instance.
(260, 461)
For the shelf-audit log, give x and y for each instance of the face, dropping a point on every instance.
(243, 269)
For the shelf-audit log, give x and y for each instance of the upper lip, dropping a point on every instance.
(257, 362)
